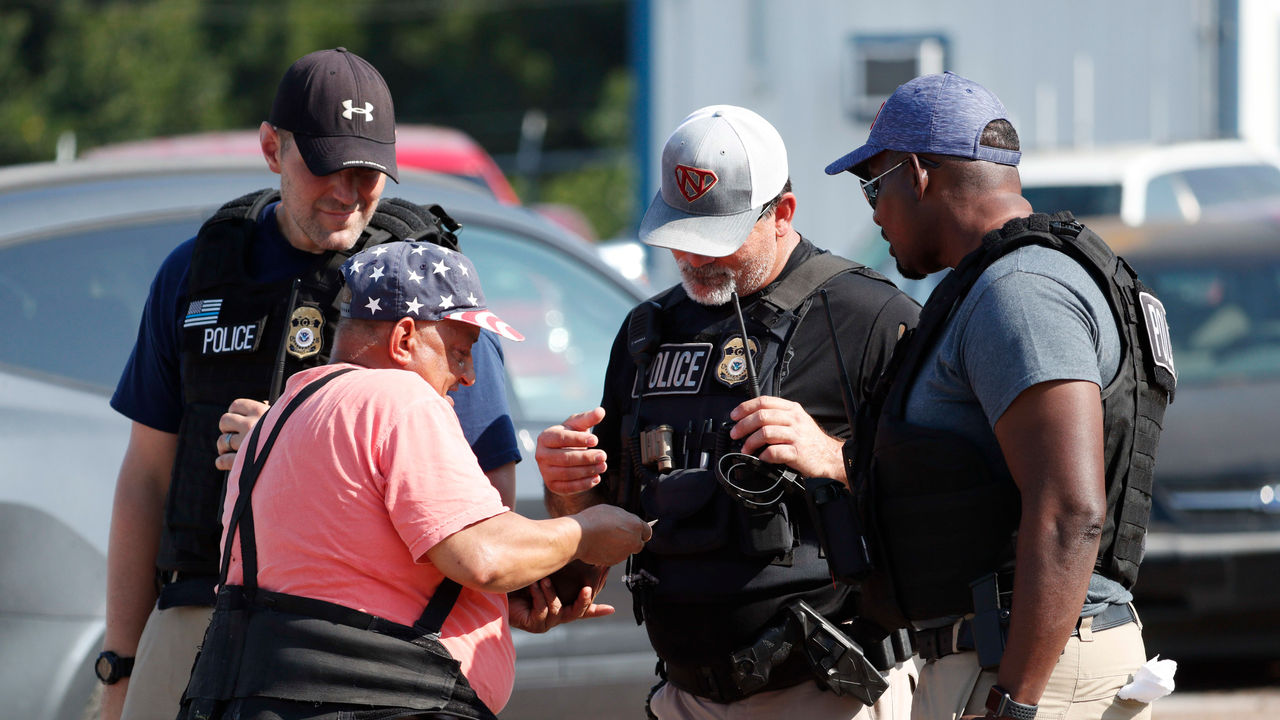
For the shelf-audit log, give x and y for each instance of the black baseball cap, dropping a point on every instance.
(339, 110)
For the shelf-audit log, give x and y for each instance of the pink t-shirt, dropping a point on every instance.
(367, 475)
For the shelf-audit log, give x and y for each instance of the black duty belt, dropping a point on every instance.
(715, 682)
(957, 637)
(182, 589)
(723, 681)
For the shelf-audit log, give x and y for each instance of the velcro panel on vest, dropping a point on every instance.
(220, 248)
(194, 528)
(941, 491)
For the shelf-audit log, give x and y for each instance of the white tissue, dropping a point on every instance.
(1153, 680)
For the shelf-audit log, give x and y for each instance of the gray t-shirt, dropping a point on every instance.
(1035, 315)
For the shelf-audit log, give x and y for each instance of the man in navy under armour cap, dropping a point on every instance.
(262, 270)
(1013, 462)
(722, 576)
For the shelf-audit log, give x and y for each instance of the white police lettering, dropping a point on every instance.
(1157, 331)
(676, 370)
(224, 339)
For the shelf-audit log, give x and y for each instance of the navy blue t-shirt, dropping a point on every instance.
(150, 390)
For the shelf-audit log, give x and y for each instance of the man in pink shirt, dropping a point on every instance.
(372, 507)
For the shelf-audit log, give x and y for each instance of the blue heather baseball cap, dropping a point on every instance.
(938, 114)
(420, 280)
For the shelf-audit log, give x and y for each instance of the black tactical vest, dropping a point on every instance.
(944, 516)
(716, 571)
(241, 338)
(262, 644)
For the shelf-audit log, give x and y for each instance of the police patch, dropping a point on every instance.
(231, 339)
(732, 370)
(676, 369)
(1157, 325)
(304, 332)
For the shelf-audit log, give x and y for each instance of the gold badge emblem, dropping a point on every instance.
(304, 332)
(732, 370)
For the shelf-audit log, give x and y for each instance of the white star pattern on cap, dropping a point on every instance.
(417, 250)
(471, 299)
(446, 301)
(415, 276)
(355, 266)
(377, 252)
(374, 305)
(440, 268)
(376, 274)
(413, 306)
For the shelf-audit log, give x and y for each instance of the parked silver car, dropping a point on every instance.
(1209, 587)
(79, 244)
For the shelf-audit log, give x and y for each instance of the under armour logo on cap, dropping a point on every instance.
(348, 111)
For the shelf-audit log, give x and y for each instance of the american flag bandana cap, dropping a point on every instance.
(418, 280)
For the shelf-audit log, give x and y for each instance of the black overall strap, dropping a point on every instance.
(442, 600)
(242, 513)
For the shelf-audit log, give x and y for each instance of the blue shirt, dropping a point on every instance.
(150, 388)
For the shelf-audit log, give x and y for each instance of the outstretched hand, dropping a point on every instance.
(567, 457)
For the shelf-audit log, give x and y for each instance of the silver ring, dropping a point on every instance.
(229, 440)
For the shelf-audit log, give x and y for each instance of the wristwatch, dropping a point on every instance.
(1000, 705)
(111, 668)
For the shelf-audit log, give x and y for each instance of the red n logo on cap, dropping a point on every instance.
(694, 182)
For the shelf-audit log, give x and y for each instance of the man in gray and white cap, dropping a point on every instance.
(720, 585)
(375, 553)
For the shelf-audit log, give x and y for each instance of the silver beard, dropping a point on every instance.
(717, 285)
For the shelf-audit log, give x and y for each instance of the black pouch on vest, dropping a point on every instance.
(767, 533)
(693, 512)
(934, 498)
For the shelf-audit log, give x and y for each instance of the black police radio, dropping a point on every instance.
(757, 484)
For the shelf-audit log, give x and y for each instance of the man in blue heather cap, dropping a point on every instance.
(1025, 406)
(368, 575)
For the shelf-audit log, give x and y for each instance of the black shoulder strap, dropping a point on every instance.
(442, 600)
(395, 219)
(242, 513)
(221, 246)
(800, 284)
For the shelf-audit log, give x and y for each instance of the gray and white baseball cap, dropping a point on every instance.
(720, 167)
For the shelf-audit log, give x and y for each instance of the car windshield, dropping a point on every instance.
(1081, 200)
(74, 301)
(1221, 185)
(1224, 316)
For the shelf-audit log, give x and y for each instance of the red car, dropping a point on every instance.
(424, 147)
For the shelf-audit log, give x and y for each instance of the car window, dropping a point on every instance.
(1081, 200)
(71, 302)
(1163, 204)
(568, 313)
(1224, 317)
(1219, 185)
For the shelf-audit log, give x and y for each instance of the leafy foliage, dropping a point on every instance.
(117, 70)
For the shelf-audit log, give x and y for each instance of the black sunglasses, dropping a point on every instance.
(871, 188)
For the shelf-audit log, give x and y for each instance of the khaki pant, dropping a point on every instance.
(1083, 686)
(166, 653)
(805, 701)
